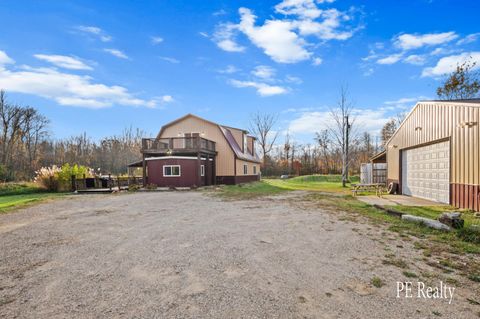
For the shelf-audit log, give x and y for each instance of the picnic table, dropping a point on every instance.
(379, 188)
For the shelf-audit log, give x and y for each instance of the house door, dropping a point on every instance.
(426, 172)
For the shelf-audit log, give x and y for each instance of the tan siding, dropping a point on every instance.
(225, 157)
(250, 165)
(439, 121)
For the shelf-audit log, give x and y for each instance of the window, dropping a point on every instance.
(171, 170)
(202, 170)
(254, 170)
(245, 143)
(245, 169)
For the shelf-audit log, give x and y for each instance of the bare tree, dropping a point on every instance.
(463, 83)
(342, 129)
(261, 125)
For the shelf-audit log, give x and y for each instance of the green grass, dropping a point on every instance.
(318, 183)
(16, 195)
(249, 190)
(377, 282)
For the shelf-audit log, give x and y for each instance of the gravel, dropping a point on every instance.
(190, 255)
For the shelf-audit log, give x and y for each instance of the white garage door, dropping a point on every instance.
(426, 172)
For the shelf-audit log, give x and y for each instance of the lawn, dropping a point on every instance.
(318, 183)
(250, 190)
(16, 195)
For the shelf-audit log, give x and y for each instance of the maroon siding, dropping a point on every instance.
(188, 171)
(465, 196)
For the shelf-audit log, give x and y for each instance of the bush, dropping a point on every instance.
(57, 179)
(470, 234)
(47, 177)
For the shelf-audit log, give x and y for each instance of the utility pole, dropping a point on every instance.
(346, 135)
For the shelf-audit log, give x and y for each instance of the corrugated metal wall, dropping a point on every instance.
(434, 121)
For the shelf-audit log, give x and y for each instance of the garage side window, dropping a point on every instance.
(202, 170)
(171, 170)
(245, 169)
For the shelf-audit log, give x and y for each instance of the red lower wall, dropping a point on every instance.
(188, 176)
(465, 196)
(232, 180)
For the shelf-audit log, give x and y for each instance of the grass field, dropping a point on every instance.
(16, 195)
(318, 183)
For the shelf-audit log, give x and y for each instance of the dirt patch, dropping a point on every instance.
(189, 255)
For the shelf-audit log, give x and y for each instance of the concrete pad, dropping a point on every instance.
(397, 200)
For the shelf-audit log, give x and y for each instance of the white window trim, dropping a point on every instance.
(245, 169)
(202, 170)
(179, 170)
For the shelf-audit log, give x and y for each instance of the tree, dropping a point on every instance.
(342, 130)
(261, 125)
(462, 83)
(388, 130)
(323, 140)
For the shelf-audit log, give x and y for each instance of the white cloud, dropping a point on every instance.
(293, 79)
(275, 37)
(366, 120)
(414, 41)
(96, 31)
(404, 103)
(67, 89)
(230, 69)
(117, 53)
(167, 99)
(64, 61)
(284, 40)
(203, 34)
(469, 39)
(263, 89)
(317, 61)
(5, 59)
(448, 64)
(156, 40)
(264, 72)
(391, 59)
(224, 37)
(169, 59)
(220, 12)
(415, 59)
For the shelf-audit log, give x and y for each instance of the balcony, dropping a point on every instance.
(178, 146)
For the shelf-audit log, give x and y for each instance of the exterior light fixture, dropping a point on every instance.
(418, 128)
(467, 124)
(393, 146)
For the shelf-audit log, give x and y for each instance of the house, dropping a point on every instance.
(192, 151)
(434, 154)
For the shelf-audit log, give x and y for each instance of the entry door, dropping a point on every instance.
(426, 172)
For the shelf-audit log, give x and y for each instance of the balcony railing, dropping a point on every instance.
(177, 145)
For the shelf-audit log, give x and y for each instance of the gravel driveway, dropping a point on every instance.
(190, 255)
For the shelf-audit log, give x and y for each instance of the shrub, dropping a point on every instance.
(56, 178)
(47, 177)
(470, 234)
(151, 186)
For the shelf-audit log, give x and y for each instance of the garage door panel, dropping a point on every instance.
(426, 172)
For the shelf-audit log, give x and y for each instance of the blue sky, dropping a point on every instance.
(99, 66)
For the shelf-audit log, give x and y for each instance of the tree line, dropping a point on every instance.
(26, 145)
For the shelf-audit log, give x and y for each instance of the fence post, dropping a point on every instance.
(74, 184)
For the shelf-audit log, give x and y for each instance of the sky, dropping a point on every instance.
(100, 66)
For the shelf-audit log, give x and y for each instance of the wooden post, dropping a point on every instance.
(144, 165)
(214, 170)
(74, 184)
(199, 173)
(110, 181)
(84, 181)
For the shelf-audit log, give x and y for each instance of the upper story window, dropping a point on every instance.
(245, 169)
(245, 143)
(171, 170)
